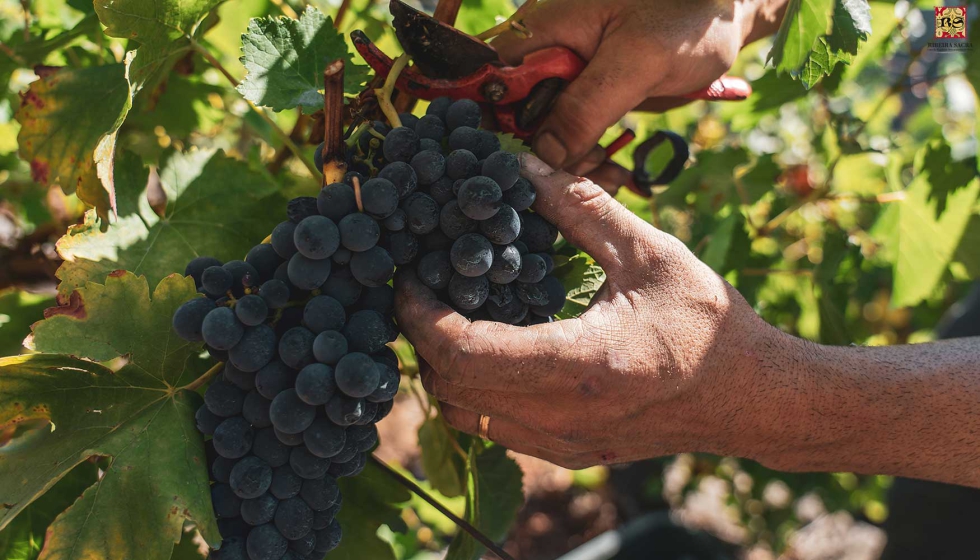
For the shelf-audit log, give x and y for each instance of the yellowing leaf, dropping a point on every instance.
(216, 206)
(69, 119)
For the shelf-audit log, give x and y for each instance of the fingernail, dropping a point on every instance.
(533, 166)
(550, 149)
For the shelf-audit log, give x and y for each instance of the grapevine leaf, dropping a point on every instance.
(69, 119)
(216, 206)
(181, 109)
(582, 278)
(716, 250)
(852, 24)
(932, 219)
(152, 23)
(804, 23)
(510, 143)
(441, 463)
(371, 499)
(966, 253)
(31, 52)
(494, 499)
(24, 537)
(138, 415)
(18, 309)
(285, 59)
(474, 19)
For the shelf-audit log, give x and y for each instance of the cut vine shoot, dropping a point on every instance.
(302, 324)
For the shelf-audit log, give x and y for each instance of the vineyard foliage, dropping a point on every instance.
(841, 199)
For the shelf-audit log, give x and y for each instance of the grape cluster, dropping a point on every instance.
(463, 217)
(302, 326)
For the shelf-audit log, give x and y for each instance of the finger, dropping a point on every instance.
(588, 217)
(556, 24)
(610, 176)
(486, 354)
(522, 408)
(662, 104)
(606, 90)
(508, 433)
(591, 161)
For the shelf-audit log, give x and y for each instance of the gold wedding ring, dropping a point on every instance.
(484, 427)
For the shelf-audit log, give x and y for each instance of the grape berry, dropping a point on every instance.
(303, 322)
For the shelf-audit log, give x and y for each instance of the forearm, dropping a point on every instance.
(761, 18)
(909, 410)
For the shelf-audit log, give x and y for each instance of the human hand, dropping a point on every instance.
(643, 54)
(663, 361)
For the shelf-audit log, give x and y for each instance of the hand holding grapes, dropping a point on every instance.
(646, 371)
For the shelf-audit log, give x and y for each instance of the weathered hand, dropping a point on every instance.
(642, 54)
(657, 365)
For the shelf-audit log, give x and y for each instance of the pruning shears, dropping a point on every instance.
(450, 63)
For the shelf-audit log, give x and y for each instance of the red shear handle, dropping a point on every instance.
(725, 88)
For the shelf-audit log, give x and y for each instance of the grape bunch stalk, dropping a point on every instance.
(303, 323)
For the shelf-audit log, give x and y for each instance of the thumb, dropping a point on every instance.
(557, 24)
(606, 90)
(588, 217)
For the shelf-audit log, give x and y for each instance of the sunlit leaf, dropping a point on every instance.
(582, 278)
(216, 206)
(442, 464)
(932, 220)
(138, 416)
(153, 23)
(285, 59)
(69, 119)
(804, 23)
(493, 501)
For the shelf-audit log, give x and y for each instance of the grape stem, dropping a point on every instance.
(197, 383)
(513, 22)
(334, 148)
(357, 193)
(461, 523)
(341, 12)
(385, 92)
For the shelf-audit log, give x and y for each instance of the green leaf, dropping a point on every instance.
(182, 108)
(805, 21)
(371, 499)
(140, 416)
(479, 15)
(494, 499)
(24, 537)
(510, 143)
(852, 25)
(967, 253)
(932, 219)
(715, 252)
(582, 278)
(69, 119)
(216, 206)
(442, 465)
(153, 23)
(33, 51)
(285, 59)
(18, 310)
